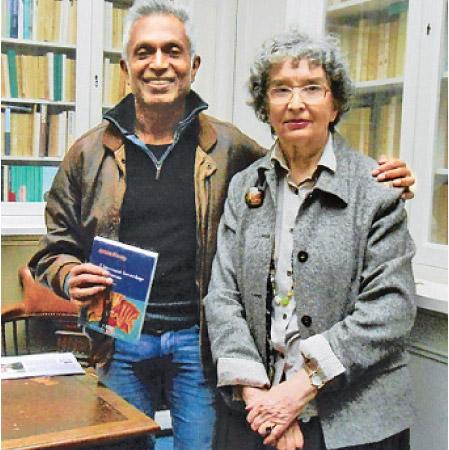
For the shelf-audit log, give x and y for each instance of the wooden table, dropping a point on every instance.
(69, 412)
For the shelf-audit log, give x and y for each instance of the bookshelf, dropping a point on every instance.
(38, 90)
(397, 54)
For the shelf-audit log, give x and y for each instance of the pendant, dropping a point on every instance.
(283, 300)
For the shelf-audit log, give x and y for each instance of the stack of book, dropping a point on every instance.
(26, 183)
(40, 20)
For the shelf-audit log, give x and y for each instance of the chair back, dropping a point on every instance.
(40, 304)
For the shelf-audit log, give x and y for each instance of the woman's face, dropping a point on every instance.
(302, 119)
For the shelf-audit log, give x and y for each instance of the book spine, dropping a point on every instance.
(43, 132)
(34, 19)
(27, 19)
(14, 18)
(71, 130)
(12, 68)
(57, 77)
(36, 132)
(63, 70)
(20, 20)
(7, 142)
(6, 183)
(73, 22)
(62, 133)
(50, 75)
(5, 18)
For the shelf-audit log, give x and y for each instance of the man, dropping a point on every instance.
(154, 174)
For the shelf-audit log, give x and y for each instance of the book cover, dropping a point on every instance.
(120, 310)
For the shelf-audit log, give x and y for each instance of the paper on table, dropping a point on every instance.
(39, 365)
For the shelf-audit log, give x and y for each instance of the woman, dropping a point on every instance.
(311, 297)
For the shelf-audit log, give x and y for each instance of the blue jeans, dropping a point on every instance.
(191, 399)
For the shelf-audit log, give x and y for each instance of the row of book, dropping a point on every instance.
(375, 129)
(114, 15)
(26, 183)
(374, 47)
(115, 86)
(40, 20)
(36, 132)
(50, 76)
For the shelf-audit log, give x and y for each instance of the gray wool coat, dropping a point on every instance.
(353, 280)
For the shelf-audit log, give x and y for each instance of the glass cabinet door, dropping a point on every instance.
(38, 64)
(440, 171)
(114, 83)
(372, 35)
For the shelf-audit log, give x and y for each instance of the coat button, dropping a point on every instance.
(306, 321)
(303, 256)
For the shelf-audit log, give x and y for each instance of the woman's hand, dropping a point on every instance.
(277, 408)
(397, 173)
(292, 439)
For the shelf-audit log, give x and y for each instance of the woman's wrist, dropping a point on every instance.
(248, 393)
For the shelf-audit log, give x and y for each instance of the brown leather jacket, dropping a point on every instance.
(87, 195)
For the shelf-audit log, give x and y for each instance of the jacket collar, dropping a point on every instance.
(334, 183)
(119, 122)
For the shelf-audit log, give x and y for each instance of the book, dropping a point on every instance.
(27, 19)
(401, 44)
(14, 18)
(48, 175)
(5, 183)
(57, 77)
(6, 86)
(43, 131)
(12, 68)
(39, 365)
(5, 18)
(119, 311)
(7, 130)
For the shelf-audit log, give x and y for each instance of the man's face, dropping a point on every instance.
(159, 68)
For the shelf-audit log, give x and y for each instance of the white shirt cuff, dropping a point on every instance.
(234, 372)
(317, 348)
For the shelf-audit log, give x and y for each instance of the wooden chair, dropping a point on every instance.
(57, 316)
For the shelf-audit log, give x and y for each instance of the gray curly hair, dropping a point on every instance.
(145, 8)
(297, 45)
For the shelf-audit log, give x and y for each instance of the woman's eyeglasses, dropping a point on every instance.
(311, 94)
